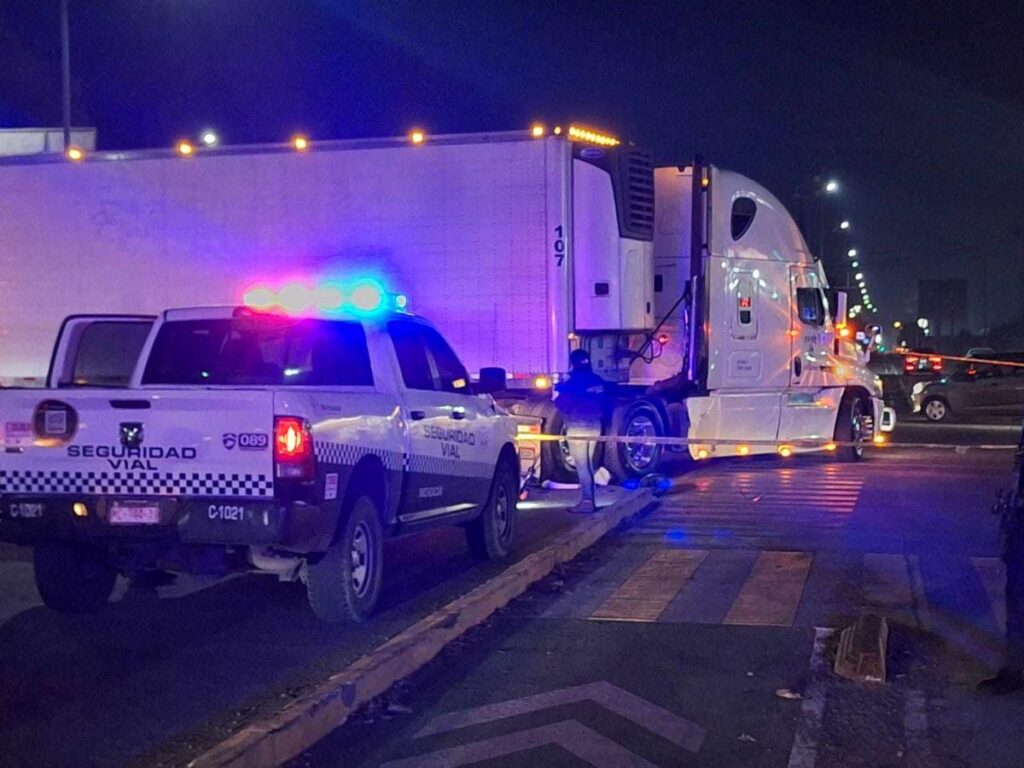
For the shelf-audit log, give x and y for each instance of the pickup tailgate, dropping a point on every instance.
(182, 443)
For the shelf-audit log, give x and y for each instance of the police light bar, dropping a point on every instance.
(365, 297)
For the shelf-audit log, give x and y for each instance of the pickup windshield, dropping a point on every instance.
(260, 351)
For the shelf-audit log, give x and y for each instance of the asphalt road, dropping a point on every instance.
(703, 633)
(150, 680)
(665, 644)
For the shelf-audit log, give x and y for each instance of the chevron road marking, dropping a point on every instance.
(573, 737)
(623, 703)
(581, 741)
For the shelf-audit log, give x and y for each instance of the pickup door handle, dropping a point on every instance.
(417, 415)
(458, 413)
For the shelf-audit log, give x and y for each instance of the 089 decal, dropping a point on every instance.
(246, 441)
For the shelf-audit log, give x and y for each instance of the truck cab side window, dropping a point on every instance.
(811, 306)
(452, 373)
(411, 349)
(743, 210)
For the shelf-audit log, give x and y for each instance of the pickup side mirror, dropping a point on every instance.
(492, 380)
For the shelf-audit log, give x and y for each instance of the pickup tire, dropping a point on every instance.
(73, 579)
(492, 533)
(344, 584)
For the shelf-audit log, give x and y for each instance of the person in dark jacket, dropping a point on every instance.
(581, 400)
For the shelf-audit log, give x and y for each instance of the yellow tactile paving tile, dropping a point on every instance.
(771, 594)
(646, 594)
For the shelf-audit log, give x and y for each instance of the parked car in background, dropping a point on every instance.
(922, 361)
(975, 389)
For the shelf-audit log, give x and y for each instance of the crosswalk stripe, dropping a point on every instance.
(993, 579)
(887, 582)
(771, 595)
(645, 595)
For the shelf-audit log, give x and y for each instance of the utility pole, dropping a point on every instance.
(65, 60)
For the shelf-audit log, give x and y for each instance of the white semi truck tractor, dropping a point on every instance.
(691, 286)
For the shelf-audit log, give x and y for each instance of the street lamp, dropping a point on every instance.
(65, 66)
(922, 323)
(844, 224)
(831, 186)
(852, 253)
(859, 276)
(209, 138)
(897, 325)
(855, 264)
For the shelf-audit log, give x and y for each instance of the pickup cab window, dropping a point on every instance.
(260, 351)
(108, 352)
(425, 359)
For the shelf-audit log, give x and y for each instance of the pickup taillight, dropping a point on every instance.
(293, 449)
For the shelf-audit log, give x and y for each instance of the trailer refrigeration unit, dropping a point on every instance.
(520, 246)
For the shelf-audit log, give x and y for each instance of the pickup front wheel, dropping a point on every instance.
(344, 584)
(73, 579)
(490, 535)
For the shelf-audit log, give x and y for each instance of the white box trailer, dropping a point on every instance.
(519, 247)
(481, 232)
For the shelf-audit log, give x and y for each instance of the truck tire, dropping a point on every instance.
(73, 579)
(555, 463)
(626, 460)
(490, 535)
(344, 584)
(849, 427)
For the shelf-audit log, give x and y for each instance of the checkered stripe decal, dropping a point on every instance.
(437, 465)
(141, 483)
(348, 454)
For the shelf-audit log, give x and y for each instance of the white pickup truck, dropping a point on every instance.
(213, 440)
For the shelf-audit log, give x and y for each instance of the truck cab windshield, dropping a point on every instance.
(259, 351)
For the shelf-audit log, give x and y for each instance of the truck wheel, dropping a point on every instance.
(555, 462)
(73, 579)
(936, 409)
(850, 428)
(626, 460)
(344, 584)
(490, 536)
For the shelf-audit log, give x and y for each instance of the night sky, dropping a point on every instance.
(917, 108)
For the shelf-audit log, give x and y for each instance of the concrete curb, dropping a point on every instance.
(280, 737)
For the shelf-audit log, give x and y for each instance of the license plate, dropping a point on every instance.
(133, 513)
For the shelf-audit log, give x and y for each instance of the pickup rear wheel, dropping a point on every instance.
(491, 534)
(73, 579)
(344, 584)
